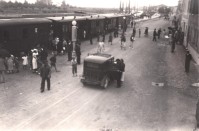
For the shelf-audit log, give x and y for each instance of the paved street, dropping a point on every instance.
(139, 105)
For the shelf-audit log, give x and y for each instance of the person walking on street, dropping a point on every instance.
(154, 35)
(53, 61)
(139, 33)
(159, 33)
(2, 70)
(187, 61)
(91, 38)
(119, 72)
(123, 42)
(146, 31)
(110, 39)
(132, 38)
(172, 45)
(74, 66)
(101, 47)
(45, 73)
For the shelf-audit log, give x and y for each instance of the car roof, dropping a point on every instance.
(98, 58)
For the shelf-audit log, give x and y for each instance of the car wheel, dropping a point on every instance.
(106, 82)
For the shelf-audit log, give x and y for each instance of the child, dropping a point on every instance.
(53, 60)
(25, 61)
(74, 66)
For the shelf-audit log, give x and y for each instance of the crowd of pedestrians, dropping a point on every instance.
(36, 59)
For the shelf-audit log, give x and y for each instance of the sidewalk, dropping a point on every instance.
(177, 77)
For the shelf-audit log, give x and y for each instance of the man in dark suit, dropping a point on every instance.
(45, 75)
(154, 35)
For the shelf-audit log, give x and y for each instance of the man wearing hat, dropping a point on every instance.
(45, 75)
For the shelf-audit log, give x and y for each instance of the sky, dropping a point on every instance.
(109, 3)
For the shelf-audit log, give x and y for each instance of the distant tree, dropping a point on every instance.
(25, 4)
(164, 10)
(63, 5)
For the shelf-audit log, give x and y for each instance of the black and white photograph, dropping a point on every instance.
(99, 65)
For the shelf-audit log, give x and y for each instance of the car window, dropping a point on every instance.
(92, 65)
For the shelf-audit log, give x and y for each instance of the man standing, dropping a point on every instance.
(43, 54)
(187, 61)
(122, 69)
(154, 35)
(45, 76)
(119, 72)
(159, 33)
(110, 39)
(53, 61)
(132, 38)
(172, 45)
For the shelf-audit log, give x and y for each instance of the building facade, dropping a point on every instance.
(185, 19)
(193, 29)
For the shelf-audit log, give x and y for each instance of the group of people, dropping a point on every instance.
(36, 59)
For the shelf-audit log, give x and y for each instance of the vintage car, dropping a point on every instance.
(99, 69)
